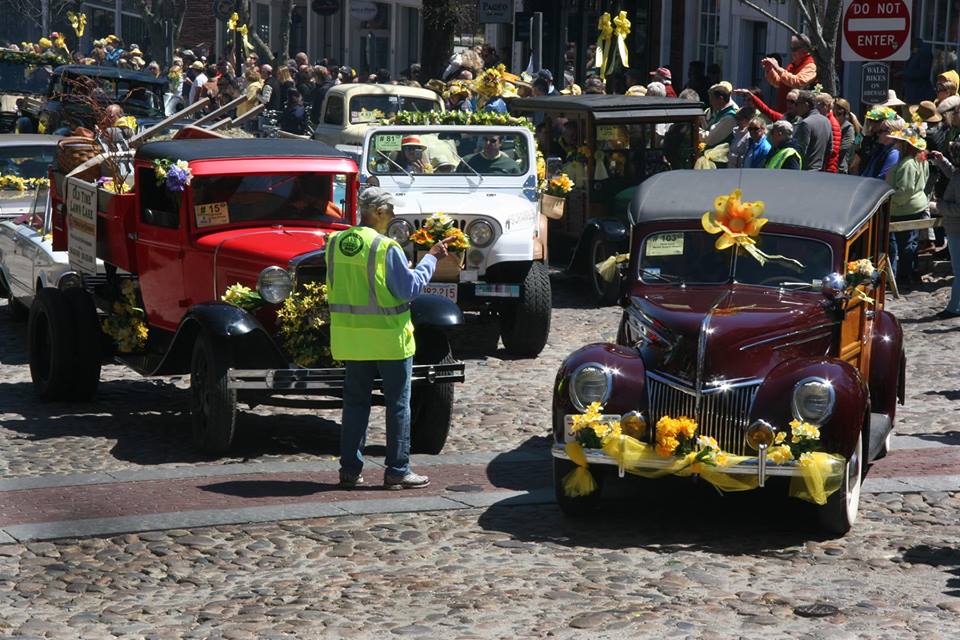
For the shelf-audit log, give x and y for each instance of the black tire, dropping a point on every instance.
(213, 407)
(840, 512)
(87, 359)
(580, 506)
(604, 293)
(431, 409)
(18, 312)
(52, 340)
(525, 324)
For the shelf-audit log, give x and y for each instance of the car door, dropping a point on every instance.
(22, 237)
(331, 123)
(161, 235)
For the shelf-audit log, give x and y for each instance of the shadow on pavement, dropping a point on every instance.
(945, 438)
(150, 422)
(267, 488)
(661, 515)
(946, 558)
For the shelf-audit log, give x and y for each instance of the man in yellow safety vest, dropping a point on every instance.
(369, 289)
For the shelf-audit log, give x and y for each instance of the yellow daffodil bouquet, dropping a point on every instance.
(438, 227)
(125, 322)
(559, 186)
(303, 321)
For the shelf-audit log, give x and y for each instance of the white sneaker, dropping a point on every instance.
(409, 481)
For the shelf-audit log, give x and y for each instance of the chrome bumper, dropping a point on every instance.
(306, 381)
(759, 467)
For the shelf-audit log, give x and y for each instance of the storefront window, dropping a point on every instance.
(370, 27)
(709, 26)
(940, 26)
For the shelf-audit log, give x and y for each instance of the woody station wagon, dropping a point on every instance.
(743, 360)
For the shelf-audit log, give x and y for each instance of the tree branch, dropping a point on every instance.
(762, 11)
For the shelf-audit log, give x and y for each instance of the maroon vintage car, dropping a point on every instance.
(743, 348)
(257, 213)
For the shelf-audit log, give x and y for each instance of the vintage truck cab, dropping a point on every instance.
(739, 370)
(225, 212)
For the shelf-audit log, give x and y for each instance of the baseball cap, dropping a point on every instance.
(376, 197)
(663, 71)
(546, 74)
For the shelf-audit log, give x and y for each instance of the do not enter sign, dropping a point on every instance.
(875, 30)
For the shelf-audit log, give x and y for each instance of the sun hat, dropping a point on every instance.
(881, 113)
(912, 135)
(948, 103)
(412, 141)
(927, 111)
(892, 100)
(196, 64)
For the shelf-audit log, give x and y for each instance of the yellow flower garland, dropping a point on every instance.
(821, 473)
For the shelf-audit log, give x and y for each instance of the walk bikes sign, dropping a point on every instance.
(876, 31)
(875, 82)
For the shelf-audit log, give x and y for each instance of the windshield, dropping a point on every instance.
(26, 161)
(491, 153)
(376, 107)
(135, 97)
(23, 78)
(223, 200)
(690, 257)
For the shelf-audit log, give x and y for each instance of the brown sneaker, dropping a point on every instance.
(409, 481)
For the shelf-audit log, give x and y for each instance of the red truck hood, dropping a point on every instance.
(241, 254)
(732, 332)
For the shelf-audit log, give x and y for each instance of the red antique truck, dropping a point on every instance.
(256, 212)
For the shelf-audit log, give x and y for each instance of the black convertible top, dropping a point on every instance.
(609, 107)
(826, 201)
(113, 73)
(219, 148)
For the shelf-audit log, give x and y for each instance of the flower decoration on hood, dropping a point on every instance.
(739, 224)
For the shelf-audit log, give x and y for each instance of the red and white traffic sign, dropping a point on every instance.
(875, 30)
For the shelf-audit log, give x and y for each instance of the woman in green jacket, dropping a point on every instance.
(910, 202)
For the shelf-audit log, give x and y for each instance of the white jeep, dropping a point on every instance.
(485, 179)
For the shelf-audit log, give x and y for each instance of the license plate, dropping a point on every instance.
(498, 290)
(445, 290)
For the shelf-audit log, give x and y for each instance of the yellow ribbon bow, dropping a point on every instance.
(739, 224)
(604, 40)
(78, 22)
(622, 29)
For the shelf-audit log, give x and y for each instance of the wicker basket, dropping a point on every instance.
(74, 151)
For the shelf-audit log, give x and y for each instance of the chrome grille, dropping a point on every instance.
(311, 274)
(724, 411)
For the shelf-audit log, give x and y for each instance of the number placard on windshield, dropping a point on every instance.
(665, 244)
(388, 142)
(212, 214)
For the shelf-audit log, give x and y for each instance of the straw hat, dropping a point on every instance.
(573, 90)
(911, 135)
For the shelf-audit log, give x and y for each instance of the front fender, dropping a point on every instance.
(253, 347)
(887, 364)
(612, 231)
(839, 433)
(628, 373)
(430, 310)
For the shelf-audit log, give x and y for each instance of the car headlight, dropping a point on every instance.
(274, 284)
(480, 232)
(590, 382)
(813, 400)
(399, 230)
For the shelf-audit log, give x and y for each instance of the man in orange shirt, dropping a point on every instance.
(801, 73)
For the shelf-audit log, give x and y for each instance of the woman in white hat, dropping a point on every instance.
(413, 155)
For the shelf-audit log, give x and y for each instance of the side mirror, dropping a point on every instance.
(833, 287)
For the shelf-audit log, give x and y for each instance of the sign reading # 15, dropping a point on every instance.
(81, 204)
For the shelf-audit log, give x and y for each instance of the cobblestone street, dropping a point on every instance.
(156, 541)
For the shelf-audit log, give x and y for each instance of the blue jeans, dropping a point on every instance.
(953, 242)
(903, 249)
(357, 390)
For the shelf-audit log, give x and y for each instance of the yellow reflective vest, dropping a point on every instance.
(367, 322)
